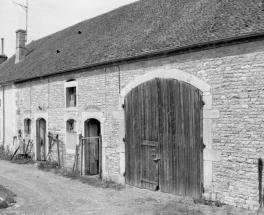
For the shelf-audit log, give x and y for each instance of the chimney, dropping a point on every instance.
(3, 57)
(20, 45)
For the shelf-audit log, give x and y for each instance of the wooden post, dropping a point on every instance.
(100, 156)
(81, 153)
(75, 160)
(77, 152)
(58, 149)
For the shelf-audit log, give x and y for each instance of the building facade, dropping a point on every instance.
(137, 105)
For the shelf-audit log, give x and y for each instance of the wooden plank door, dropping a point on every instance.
(38, 141)
(41, 139)
(91, 147)
(142, 127)
(149, 165)
(168, 112)
(180, 138)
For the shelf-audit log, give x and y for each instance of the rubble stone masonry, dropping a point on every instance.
(235, 74)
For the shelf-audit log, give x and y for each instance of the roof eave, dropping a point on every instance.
(158, 54)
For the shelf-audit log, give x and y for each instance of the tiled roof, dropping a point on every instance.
(141, 27)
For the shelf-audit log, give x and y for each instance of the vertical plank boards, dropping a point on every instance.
(127, 155)
(175, 136)
(160, 137)
(131, 137)
(145, 133)
(192, 153)
(181, 148)
(186, 145)
(164, 132)
(156, 131)
(196, 100)
(133, 157)
(201, 167)
(135, 137)
(142, 131)
(139, 140)
(152, 136)
(169, 128)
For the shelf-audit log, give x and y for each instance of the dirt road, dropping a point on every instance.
(40, 192)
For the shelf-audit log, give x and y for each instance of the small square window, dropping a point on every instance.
(27, 126)
(71, 125)
(71, 97)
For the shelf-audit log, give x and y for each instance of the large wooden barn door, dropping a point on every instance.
(164, 137)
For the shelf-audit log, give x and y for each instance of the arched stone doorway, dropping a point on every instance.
(209, 154)
(41, 139)
(92, 155)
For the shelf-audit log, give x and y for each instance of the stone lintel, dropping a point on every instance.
(119, 114)
(211, 114)
(212, 155)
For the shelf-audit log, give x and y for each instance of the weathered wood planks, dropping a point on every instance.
(163, 120)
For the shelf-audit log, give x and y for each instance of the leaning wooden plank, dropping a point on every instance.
(75, 159)
(81, 171)
(14, 153)
(58, 149)
(27, 146)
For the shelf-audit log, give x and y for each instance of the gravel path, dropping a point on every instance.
(40, 192)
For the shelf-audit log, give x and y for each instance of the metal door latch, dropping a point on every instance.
(156, 159)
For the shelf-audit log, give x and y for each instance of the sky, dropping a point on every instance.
(47, 16)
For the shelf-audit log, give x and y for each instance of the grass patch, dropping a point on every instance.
(7, 196)
(177, 208)
(203, 201)
(90, 180)
(5, 154)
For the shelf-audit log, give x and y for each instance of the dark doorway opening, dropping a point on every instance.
(92, 129)
(41, 139)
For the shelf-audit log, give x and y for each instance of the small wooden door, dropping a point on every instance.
(91, 147)
(149, 165)
(41, 139)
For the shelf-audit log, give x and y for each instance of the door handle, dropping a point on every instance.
(156, 159)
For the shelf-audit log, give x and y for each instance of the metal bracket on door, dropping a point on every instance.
(156, 159)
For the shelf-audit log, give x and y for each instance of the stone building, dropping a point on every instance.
(178, 83)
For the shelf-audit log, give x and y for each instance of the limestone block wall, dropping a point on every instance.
(233, 126)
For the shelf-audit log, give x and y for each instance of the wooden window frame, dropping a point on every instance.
(71, 85)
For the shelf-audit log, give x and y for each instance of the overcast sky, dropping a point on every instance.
(47, 16)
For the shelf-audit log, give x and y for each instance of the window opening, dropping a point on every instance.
(71, 97)
(27, 126)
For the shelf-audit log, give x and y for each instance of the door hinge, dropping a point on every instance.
(156, 159)
(203, 145)
(123, 106)
(202, 103)
(124, 139)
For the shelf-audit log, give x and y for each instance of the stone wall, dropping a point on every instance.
(236, 77)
